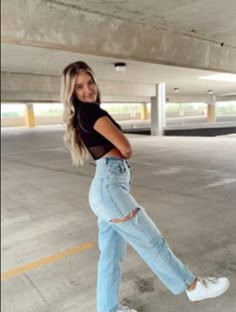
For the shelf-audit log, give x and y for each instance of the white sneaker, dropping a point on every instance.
(208, 288)
(126, 309)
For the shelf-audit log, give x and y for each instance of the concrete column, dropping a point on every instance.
(211, 110)
(144, 111)
(158, 119)
(29, 116)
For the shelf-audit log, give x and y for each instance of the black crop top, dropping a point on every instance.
(86, 116)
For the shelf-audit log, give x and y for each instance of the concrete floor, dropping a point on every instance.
(188, 186)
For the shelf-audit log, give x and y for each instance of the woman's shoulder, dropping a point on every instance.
(89, 113)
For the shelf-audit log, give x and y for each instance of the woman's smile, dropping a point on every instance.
(85, 88)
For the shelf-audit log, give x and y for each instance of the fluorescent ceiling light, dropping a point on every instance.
(220, 77)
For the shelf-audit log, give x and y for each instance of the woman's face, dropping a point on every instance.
(85, 88)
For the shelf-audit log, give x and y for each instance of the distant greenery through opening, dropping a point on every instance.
(133, 110)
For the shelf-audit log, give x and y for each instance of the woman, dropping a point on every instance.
(120, 218)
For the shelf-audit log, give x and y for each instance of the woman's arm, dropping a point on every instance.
(106, 128)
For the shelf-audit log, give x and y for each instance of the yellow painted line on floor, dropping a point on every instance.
(44, 261)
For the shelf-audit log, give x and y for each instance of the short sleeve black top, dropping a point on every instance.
(86, 116)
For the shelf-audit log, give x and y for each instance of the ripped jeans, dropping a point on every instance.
(109, 198)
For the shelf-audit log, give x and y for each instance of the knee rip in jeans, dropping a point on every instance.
(127, 217)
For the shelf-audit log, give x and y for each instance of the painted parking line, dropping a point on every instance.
(44, 261)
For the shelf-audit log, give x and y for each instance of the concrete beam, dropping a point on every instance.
(129, 89)
(125, 99)
(199, 98)
(22, 97)
(29, 88)
(226, 98)
(18, 87)
(58, 25)
(188, 98)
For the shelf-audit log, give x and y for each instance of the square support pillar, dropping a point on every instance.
(29, 116)
(144, 111)
(158, 118)
(211, 110)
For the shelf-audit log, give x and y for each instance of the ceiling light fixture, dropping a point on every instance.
(120, 66)
(210, 91)
(176, 90)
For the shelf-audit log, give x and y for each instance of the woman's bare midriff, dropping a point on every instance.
(114, 153)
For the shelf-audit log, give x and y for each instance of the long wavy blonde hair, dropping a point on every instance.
(72, 136)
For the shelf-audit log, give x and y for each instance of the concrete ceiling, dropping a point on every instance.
(210, 20)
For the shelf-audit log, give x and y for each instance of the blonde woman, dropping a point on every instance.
(121, 219)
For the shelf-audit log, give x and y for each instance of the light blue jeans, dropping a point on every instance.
(109, 198)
